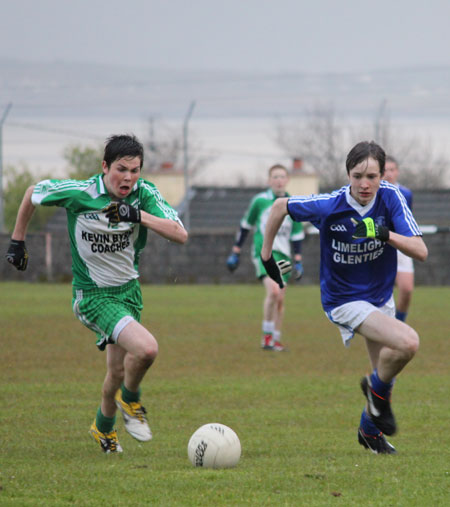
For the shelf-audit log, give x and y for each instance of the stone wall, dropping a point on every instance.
(201, 260)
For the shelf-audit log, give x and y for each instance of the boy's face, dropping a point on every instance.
(365, 180)
(121, 176)
(278, 180)
(391, 172)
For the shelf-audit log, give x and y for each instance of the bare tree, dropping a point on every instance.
(422, 166)
(319, 141)
(164, 149)
(322, 140)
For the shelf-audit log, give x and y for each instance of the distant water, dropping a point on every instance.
(239, 149)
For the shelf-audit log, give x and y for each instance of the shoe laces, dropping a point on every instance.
(138, 411)
(110, 442)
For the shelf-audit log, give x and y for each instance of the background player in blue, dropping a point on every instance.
(361, 227)
(405, 266)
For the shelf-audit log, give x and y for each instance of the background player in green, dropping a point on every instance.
(289, 233)
(108, 217)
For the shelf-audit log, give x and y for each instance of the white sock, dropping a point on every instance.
(277, 335)
(268, 326)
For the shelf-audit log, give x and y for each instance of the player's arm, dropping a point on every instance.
(298, 264)
(234, 257)
(276, 217)
(241, 236)
(121, 211)
(165, 227)
(17, 253)
(412, 246)
(24, 215)
(247, 223)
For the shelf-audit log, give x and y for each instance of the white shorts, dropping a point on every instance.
(404, 263)
(351, 315)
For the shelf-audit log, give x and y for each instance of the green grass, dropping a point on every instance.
(296, 413)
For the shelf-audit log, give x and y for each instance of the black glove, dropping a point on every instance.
(17, 254)
(120, 211)
(233, 261)
(276, 270)
(367, 228)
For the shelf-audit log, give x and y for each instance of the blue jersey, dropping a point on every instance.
(355, 269)
(407, 194)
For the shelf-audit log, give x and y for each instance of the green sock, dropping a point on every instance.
(104, 424)
(130, 396)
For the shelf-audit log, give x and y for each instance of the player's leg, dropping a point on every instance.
(113, 379)
(279, 316)
(391, 344)
(102, 428)
(369, 435)
(141, 350)
(270, 311)
(405, 286)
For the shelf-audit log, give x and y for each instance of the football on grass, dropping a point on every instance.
(214, 445)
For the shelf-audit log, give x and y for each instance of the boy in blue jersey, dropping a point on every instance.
(362, 225)
(405, 267)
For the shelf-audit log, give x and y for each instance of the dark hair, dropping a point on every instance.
(278, 166)
(122, 146)
(390, 158)
(363, 151)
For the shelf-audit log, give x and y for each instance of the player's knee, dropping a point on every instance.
(410, 342)
(275, 292)
(148, 352)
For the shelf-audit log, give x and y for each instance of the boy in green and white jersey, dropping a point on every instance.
(108, 216)
(289, 235)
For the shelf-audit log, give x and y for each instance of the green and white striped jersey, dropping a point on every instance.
(256, 218)
(103, 254)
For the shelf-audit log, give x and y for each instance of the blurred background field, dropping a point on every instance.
(296, 413)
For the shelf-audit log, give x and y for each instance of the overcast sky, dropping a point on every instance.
(278, 35)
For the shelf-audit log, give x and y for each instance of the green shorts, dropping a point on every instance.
(261, 271)
(106, 311)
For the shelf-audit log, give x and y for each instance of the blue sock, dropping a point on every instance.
(380, 387)
(401, 315)
(367, 424)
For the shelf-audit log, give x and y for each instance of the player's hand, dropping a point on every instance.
(276, 270)
(367, 228)
(298, 270)
(233, 261)
(120, 211)
(17, 254)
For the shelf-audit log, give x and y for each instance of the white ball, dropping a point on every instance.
(214, 445)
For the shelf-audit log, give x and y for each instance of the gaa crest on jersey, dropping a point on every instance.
(338, 228)
(91, 216)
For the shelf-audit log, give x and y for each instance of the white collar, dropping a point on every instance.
(362, 210)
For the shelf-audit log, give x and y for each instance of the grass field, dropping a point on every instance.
(296, 413)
